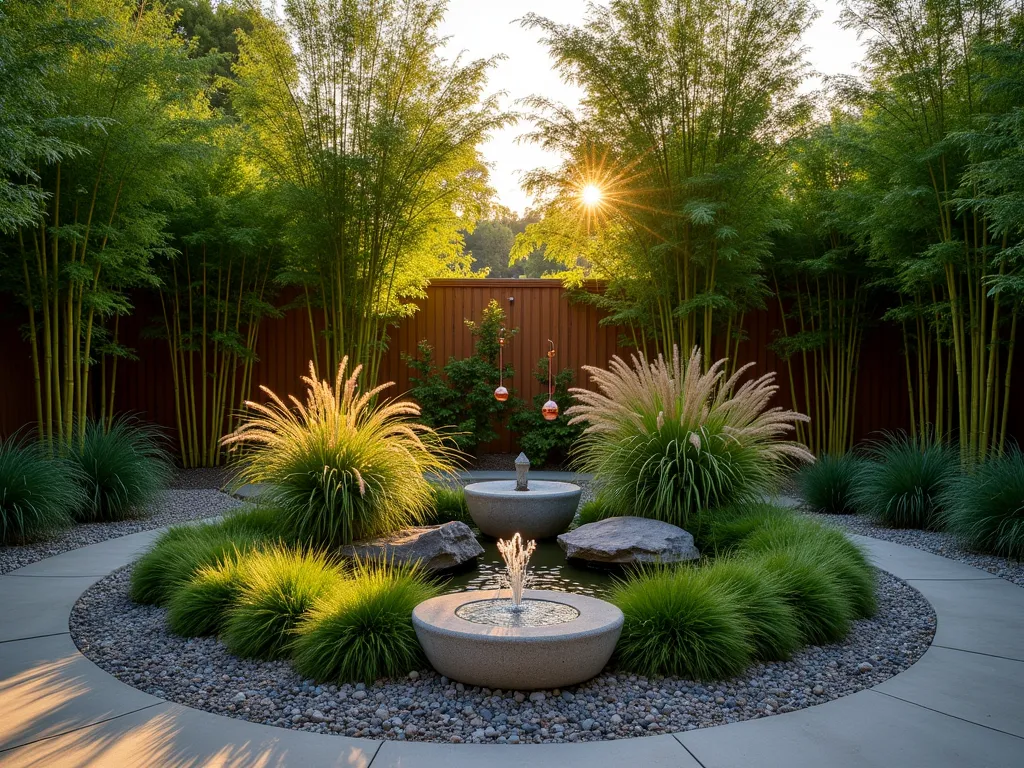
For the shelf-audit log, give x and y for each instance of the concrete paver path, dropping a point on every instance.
(960, 706)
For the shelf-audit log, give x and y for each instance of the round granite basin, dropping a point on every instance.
(543, 511)
(561, 639)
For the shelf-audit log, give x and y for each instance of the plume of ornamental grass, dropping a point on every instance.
(667, 440)
(985, 508)
(341, 466)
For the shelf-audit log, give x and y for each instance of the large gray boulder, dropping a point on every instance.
(624, 540)
(434, 547)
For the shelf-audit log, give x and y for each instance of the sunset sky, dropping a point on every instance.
(483, 28)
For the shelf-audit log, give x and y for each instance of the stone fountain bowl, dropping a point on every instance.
(553, 655)
(543, 511)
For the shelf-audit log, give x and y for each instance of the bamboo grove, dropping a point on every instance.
(890, 199)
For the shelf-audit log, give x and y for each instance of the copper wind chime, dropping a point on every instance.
(550, 409)
(501, 394)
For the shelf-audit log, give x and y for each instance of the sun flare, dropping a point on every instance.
(591, 194)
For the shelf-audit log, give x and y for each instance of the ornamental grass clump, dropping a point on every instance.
(845, 561)
(199, 606)
(363, 630)
(666, 439)
(760, 597)
(277, 586)
(38, 494)
(901, 484)
(827, 485)
(679, 622)
(341, 466)
(985, 508)
(180, 553)
(721, 531)
(821, 603)
(123, 466)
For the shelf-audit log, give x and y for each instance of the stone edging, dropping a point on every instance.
(962, 704)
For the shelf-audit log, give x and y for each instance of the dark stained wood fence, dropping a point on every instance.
(539, 308)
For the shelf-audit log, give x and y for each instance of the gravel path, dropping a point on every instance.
(936, 542)
(131, 642)
(173, 506)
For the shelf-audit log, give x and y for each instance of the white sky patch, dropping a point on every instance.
(483, 28)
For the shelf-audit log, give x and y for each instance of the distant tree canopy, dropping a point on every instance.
(490, 244)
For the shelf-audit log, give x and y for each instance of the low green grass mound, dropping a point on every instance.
(200, 606)
(827, 485)
(278, 586)
(821, 603)
(902, 483)
(259, 520)
(722, 531)
(38, 495)
(985, 509)
(845, 560)
(761, 599)
(678, 622)
(122, 468)
(180, 553)
(363, 629)
(594, 510)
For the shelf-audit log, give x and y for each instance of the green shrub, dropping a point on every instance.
(37, 494)
(540, 439)
(199, 606)
(901, 485)
(678, 622)
(463, 398)
(761, 599)
(822, 605)
(668, 440)
(341, 467)
(845, 560)
(827, 484)
(180, 553)
(594, 510)
(123, 467)
(985, 509)
(278, 586)
(448, 505)
(363, 630)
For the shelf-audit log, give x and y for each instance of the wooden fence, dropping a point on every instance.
(539, 308)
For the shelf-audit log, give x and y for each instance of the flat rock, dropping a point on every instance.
(435, 547)
(623, 540)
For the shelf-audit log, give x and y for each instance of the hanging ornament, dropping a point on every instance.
(550, 409)
(501, 394)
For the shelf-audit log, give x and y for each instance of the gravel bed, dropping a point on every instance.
(506, 462)
(202, 478)
(173, 506)
(936, 542)
(132, 642)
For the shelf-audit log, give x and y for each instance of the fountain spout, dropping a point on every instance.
(522, 469)
(516, 556)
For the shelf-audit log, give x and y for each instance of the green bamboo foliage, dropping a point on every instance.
(97, 227)
(214, 293)
(372, 139)
(923, 85)
(685, 111)
(822, 285)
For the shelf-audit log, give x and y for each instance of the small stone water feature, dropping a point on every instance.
(531, 639)
(537, 509)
